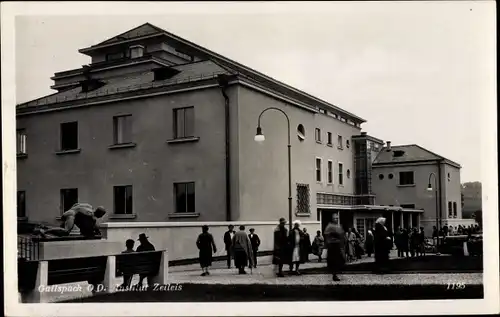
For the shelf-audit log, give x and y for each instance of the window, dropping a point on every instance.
(347, 143)
(348, 173)
(21, 142)
(318, 135)
(449, 177)
(406, 178)
(69, 197)
(329, 134)
(322, 111)
(381, 176)
(21, 204)
(184, 198)
(408, 206)
(450, 210)
(115, 56)
(123, 200)
(184, 122)
(122, 129)
(69, 136)
(303, 199)
(339, 142)
(391, 176)
(301, 132)
(330, 172)
(455, 213)
(341, 175)
(318, 169)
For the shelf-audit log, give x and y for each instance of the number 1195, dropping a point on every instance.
(455, 286)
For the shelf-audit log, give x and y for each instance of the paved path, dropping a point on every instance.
(264, 274)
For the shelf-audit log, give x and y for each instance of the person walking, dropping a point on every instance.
(358, 249)
(144, 246)
(297, 247)
(280, 246)
(422, 241)
(334, 240)
(350, 240)
(242, 250)
(228, 238)
(307, 245)
(318, 245)
(206, 246)
(369, 243)
(414, 242)
(398, 237)
(255, 241)
(383, 246)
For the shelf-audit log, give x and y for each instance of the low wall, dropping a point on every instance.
(179, 238)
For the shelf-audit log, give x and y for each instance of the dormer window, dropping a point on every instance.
(115, 56)
(164, 73)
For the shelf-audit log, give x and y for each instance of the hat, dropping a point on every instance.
(381, 221)
(297, 222)
(142, 236)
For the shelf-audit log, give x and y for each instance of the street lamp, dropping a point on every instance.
(438, 218)
(259, 137)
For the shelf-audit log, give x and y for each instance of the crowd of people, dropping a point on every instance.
(293, 247)
(456, 230)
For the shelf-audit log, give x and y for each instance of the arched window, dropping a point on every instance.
(454, 209)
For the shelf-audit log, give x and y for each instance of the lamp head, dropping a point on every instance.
(429, 187)
(259, 137)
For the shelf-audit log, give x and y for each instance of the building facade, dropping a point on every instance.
(410, 176)
(158, 129)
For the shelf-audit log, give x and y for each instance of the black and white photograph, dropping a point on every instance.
(250, 158)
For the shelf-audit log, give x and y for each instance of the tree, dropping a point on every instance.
(478, 216)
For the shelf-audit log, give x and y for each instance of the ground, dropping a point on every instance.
(423, 278)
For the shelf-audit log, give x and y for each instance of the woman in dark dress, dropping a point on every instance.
(280, 248)
(383, 245)
(206, 245)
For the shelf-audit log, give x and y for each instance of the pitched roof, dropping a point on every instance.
(410, 153)
(149, 29)
(195, 71)
(141, 30)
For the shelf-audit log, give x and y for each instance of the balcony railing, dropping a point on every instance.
(345, 200)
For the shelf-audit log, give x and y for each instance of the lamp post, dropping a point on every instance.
(259, 137)
(429, 188)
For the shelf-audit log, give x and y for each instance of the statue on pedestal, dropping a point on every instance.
(82, 215)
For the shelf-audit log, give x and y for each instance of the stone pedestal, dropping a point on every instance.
(56, 250)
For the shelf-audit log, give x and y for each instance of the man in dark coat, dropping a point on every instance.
(335, 242)
(206, 245)
(255, 241)
(144, 246)
(228, 238)
(280, 246)
(307, 244)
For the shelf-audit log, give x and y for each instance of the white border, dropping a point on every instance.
(489, 170)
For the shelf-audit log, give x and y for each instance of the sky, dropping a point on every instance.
(418, 72)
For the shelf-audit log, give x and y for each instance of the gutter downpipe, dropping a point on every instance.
(223, 84)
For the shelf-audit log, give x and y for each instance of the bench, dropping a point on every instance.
(35, 275)
(143, 263)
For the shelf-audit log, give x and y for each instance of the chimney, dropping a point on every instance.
(389, 146)
(136, 51)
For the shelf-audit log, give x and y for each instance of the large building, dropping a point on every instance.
(410, 176)
(159, 129)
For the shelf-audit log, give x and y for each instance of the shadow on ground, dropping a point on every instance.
(235, 293)
(425, 264)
